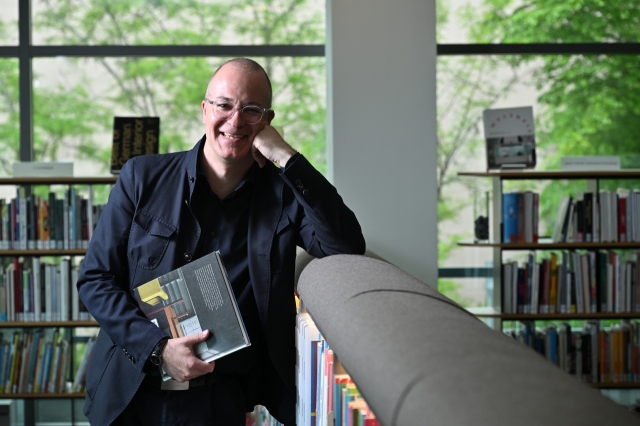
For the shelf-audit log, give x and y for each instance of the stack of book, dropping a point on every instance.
(324, 398)
(592, 353)
(520, 212)
(573, 282)
(605, 216)
(48, 223)
(34, 362)
(34, 290)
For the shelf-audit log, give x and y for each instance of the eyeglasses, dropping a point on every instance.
(251, 114)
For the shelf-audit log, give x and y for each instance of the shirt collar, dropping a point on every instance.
(248, 179)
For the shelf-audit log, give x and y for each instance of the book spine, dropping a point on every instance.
(510, 217)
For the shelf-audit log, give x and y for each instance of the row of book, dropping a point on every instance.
(605, 216)
(32, 289)
(324, 398)
(520, 214)
(35, 362)
(32, 222)
(592, 353)
(572, 282)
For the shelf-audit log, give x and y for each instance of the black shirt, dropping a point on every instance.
(224, 227)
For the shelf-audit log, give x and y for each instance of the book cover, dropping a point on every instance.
(510, 137)
(133, 136)
(510, 217)
(193, 298)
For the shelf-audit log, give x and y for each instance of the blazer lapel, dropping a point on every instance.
(266, 208)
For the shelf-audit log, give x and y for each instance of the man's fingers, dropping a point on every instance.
(196, 338)
(257, 155)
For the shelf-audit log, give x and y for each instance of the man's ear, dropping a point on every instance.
(270, 115)
(204, 112)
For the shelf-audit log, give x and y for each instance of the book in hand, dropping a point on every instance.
(510, 138)
(194, 298)
(133, 136)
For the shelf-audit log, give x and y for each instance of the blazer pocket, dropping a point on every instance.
(284, 224)
(148, 240)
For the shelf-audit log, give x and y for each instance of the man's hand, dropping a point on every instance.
(179, 360)
(269, 145)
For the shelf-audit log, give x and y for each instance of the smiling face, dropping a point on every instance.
(229, 140)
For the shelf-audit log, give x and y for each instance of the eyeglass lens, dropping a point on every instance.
(250, 114)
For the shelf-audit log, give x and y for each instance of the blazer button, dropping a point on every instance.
(192, 179)
(187, 257)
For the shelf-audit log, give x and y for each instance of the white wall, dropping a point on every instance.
(381, 130)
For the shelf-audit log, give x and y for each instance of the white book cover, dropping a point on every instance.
(510, 137)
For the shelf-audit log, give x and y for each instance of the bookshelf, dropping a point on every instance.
(503, 311)
(11, 249)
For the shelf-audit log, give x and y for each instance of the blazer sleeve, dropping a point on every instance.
(328, 226)
(103, 283)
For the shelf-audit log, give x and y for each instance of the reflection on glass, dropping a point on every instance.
(75, 101)
(8, 22)
(210, 22)
(9, 115)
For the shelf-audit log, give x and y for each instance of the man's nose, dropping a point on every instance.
(236, 118)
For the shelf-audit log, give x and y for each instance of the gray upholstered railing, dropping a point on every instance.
(420, 359)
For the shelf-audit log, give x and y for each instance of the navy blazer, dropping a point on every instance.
(147, 229)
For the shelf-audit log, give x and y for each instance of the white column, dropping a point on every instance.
(381, 128)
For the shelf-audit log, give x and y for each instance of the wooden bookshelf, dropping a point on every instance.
(554, 174)
(79, 180)
(551, 245)
(47, 324)
(494, 313)
(44, 252)
(41, 395)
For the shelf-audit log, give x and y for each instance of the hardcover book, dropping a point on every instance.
(194, 298)
(133, 136)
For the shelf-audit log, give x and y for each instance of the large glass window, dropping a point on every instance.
(176, 22)
(8, 22)
(75, 100)
(9, 114)
(584, 104)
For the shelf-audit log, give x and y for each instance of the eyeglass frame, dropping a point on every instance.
(263, 111)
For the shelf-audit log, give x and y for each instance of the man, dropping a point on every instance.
(167, 210)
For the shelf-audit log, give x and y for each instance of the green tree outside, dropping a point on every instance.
(74, 117)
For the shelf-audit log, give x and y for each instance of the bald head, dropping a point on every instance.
(249, 66)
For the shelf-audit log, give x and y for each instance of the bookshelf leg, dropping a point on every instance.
(29, 412)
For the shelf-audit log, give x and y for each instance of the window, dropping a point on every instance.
(90, 61)
(578, 65)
